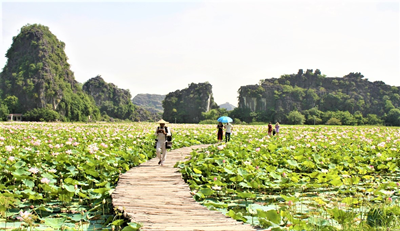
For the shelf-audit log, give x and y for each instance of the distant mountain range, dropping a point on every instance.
(150, 102)
(227, 106)
(153, 102)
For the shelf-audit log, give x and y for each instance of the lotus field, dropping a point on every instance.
(307, 178)
(60, 176)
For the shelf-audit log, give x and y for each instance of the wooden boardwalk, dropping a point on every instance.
(158, 198)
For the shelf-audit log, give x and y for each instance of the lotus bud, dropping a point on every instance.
(104, 201)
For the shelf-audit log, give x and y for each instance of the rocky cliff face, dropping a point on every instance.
(103, 92)
(37, 75)
(37, 71)
(276, 97)
(115, 102)
(186, 106)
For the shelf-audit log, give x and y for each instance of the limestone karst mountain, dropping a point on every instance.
(186, 105)
(312, 94)
(115, 102)
(37, 75)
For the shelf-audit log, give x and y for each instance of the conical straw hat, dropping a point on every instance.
(162, 121)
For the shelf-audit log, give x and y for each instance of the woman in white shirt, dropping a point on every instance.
(228, 130)
(161, 133)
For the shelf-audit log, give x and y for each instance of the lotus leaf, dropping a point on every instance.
(55, 223)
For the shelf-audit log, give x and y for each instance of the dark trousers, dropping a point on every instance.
(227, 136)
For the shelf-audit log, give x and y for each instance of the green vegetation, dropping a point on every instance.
(187, 105)
(150, 102)
(305, 178)
(351, 100)
(41, 114)
(60, 176)
(37, 82)
(115, 102)
(37, 75)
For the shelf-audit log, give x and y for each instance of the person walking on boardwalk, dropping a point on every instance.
(161, 133)
(220, 128)
(269, 129)
(228, 131)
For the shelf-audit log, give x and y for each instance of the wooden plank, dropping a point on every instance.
(158, 198)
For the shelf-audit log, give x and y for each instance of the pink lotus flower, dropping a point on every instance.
(215, 178)
(11, 158)
(216, 187)
(284, 174)
(24, 216)
(33, 170)
(381, 145)
(290, 203)
(9, 148)
(45, 180)
(220, 147)
(258, 149)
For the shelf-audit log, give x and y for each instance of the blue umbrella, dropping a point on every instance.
(225, 119)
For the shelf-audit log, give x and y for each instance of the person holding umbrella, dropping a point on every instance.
(220, 128)
(228, 127)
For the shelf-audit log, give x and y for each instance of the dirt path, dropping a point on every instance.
(157, 197)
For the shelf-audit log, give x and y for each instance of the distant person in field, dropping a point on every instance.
(269, 129)
(220, 128)
(228, 131)
(277, 128)
(161, 133)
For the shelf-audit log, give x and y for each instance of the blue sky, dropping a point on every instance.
(160, 46)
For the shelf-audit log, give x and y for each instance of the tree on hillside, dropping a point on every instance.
(393, 117)
(296, 117)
